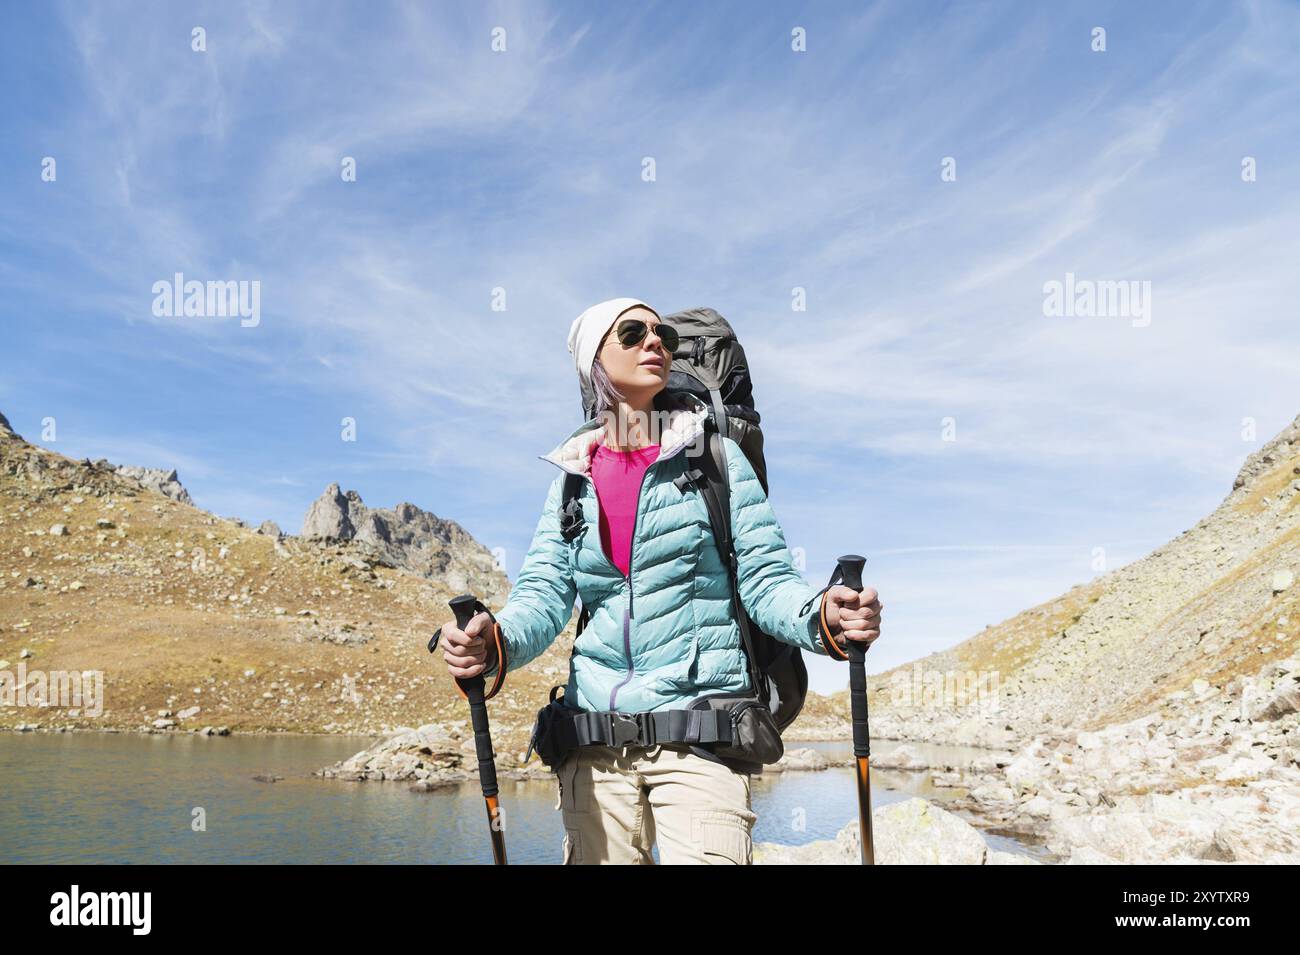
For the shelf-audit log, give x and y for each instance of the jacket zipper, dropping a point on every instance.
(627, 612)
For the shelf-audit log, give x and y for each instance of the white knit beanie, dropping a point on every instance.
(589, 328)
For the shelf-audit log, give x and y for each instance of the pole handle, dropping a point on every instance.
(850, 569)
(464, 607)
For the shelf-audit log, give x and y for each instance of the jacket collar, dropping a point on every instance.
(684, 426)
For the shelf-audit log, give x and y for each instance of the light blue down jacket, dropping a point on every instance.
(664, 634)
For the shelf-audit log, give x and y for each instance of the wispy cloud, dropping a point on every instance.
(520, 171)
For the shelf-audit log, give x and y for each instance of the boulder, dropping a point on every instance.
(912, 832)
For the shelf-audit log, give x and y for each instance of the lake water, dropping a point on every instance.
(124, 798)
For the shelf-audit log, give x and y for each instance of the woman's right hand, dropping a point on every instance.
(853, 615)
(468, 652)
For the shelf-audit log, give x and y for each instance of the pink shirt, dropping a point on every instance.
(617, 476)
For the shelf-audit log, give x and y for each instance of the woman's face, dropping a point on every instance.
(638, 368)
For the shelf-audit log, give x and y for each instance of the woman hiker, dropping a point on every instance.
(661, 631)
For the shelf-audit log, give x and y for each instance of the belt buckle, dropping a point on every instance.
(624, 727)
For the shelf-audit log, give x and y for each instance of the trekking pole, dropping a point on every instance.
(850, 566)
(472, 688)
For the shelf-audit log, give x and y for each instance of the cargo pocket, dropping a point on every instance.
(724, 835)
(561, 771)
(575, 790)
(572, 847)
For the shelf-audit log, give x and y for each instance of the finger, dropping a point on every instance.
(868, 595)
(459, 642)
(860, 618)
(477, 625)
(462, 673)
(857, 613)
(471, 651)
(861, 636)
(842, 595)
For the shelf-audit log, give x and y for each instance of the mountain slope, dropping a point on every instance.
(1215, 603)
(1150, 715)
(103, 571)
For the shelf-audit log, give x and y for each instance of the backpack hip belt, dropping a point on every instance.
(734, 731)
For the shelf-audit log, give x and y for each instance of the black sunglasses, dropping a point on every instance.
(632, 331)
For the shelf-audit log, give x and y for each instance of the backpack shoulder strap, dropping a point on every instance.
(572, 523)
(715, 489)
(571, 519)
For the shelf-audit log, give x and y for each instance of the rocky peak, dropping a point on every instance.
(328, 518)
(1283, 448)
(408, 537)
(165, 482)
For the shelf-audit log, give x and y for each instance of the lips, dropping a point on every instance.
(652, 363)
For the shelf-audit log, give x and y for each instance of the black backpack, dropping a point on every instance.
(710, 364)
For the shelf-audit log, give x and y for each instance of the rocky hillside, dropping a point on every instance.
(1217, 602)
(199, 621)
(1152, 713)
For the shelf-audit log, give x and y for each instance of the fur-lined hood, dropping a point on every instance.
(685, 426)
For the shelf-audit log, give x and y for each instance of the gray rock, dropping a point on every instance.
(165, 482)
(1285, 701)
(433, 785)
(803, 759)
(328, 517)
(406, 536)
(901, 757)
(6, 431)
(429, 753)
(912, 832)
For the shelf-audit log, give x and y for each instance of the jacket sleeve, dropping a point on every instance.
(541, 601)
(772, 590)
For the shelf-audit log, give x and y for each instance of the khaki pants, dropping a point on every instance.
(617, 803)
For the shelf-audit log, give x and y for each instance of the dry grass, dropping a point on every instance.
(159, 626)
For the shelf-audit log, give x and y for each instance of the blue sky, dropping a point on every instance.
(775, 170)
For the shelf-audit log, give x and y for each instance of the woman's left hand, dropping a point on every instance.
(853, 615)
